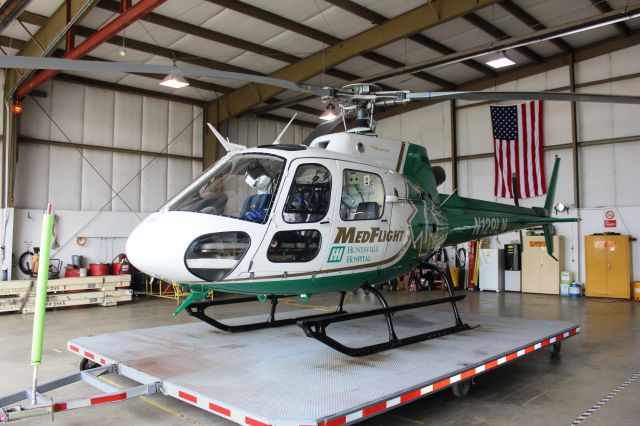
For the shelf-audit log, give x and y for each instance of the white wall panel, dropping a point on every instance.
(99, 107)
(475, 135)
(179, 176)
(153, 185)
(65, 177)
(32, 176)
(596, 176)
(597, 68)
(475, 178)
(625, 170)
(34, 122)
(595, 120)
(126, 182)
(625, 117)
(625, 61)
(155, 117)
(97, 172)
(196, 169)
(557, 123)
(180, 128)
(67, 105)
(267, 131)
(127, 125)
(198, 129)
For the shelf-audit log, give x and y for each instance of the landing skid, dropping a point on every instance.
(197, 310)
(317, 327)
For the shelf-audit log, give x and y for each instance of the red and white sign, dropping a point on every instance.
(610, 219)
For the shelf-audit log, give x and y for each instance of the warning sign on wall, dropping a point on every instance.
(610, 219)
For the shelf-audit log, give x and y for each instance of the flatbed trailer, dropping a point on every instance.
(281, 377)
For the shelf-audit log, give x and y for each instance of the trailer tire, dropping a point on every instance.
(461, 389)
(87, 364)
(555, 349)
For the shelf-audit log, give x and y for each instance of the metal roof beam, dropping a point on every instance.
(416, 20)
(106, 32)
(562, 59)
(520, 14)
(327, 39)
(376, 18)
(497, 33)
(50, 33)
(210, 35)
(604, 7)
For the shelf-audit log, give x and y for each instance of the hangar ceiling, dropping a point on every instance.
(320, 42)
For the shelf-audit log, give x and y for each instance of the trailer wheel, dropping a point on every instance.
(461, 389)
(87, 364)
(555, 350)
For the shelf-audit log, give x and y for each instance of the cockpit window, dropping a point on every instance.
(244, 187)
(362, 196)
(309, 195)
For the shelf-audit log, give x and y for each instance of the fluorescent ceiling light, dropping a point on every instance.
(174, 81)
(500, 62)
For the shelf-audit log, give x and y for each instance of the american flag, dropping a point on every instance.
(517, 144)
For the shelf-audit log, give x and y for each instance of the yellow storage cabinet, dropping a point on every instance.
(541, 272)
(608, 264)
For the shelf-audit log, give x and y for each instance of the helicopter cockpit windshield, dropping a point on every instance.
(244, 187)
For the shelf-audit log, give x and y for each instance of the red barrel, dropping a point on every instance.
(98, 269)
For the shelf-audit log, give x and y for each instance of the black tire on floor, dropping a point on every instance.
(461, 389)
(555, 349)
(87, 364)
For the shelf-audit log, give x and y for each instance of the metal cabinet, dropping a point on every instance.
(608, 266)
(541, 272)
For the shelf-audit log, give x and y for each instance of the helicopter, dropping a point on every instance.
(333, 213)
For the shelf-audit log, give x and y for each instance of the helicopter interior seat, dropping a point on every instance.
(213, 204)
(255, 208)
(367, 210)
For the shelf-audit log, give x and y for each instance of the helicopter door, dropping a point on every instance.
(297, 237)
(361, 229)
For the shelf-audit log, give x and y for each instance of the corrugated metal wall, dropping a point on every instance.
(86, 179)
(606, 171)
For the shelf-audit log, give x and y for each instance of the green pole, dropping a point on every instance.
(41, 296)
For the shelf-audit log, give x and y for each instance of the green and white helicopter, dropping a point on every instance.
(334, 213)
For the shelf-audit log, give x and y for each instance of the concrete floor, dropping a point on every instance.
(536, 390)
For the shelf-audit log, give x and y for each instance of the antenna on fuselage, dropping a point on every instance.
(225, 141)
(277, 141)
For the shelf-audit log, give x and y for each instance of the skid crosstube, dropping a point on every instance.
(197, 310)
(316, 327)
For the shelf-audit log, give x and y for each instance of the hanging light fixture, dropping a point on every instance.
(329, 112)
(500, 60)
(175, 81)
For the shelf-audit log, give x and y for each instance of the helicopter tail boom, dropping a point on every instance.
(470, 219)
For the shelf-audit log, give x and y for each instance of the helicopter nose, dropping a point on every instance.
(156, 248)
(187, 246)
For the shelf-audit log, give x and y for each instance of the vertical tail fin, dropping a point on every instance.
(551, 190)
(548, 207)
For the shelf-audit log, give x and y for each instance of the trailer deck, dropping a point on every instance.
(281, 377)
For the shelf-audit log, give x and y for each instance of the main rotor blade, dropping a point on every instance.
(515, 96)
(322, 129)
(30, 62)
